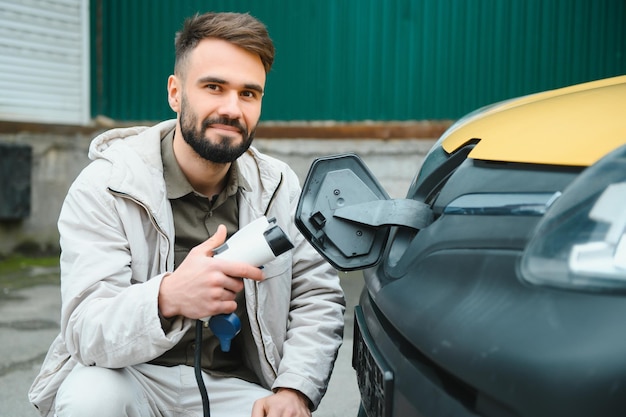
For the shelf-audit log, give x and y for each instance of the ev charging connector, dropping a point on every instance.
(257, 244)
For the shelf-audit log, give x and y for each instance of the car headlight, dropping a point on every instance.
(581, 241)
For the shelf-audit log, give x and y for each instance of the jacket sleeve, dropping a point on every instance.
(315, 323)
(109, 313)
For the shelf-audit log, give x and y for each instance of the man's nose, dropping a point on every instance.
(230, 105)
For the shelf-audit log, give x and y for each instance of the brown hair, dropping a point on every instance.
(240, 29)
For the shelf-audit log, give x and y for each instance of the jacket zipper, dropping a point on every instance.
(158, 228)
(258, 320)
(269, 204)
(256, 291)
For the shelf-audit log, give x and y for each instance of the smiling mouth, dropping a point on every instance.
(226, 128)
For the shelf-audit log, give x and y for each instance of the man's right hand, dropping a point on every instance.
(202, 285)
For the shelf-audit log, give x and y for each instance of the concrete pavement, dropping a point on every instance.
(29, 321)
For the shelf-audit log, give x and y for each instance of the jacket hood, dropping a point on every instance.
(105, 140)
(136, 168)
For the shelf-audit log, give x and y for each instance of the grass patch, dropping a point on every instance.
(15, 264)
(17, 272)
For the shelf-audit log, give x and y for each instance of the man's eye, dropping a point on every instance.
(250, 94)
(214, 87)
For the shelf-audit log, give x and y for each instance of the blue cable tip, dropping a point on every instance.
(225, 327)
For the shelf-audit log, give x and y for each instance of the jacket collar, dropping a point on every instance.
(135, 154)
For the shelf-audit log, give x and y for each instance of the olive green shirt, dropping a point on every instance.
(196, 218)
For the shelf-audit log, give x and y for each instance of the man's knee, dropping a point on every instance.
(94, 391)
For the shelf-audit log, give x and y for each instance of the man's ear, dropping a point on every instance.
(174, 89)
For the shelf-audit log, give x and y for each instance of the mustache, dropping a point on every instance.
(206, 123)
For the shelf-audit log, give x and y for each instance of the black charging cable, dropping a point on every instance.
(198, 369)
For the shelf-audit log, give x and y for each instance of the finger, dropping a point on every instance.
(258, 408)
(233, 285)
(218, 238)
(227, 307)
(241, 270)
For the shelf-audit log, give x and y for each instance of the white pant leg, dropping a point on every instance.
(100, 392)
(150, 391)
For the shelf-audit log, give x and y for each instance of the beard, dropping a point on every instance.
(220, 151)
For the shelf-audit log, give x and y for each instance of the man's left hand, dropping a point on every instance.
(284, 403)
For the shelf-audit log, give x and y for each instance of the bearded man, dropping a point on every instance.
(138, 229)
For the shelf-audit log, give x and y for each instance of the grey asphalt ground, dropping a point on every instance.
(29, 321)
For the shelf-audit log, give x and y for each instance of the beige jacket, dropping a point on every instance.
(117, 238)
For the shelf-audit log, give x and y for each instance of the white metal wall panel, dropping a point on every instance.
(44, 61)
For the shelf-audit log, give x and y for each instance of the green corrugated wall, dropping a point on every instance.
(351, 60)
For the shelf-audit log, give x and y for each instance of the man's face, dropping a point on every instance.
(218, 100)
(225, 148)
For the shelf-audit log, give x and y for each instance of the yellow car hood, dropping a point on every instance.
(572, 126)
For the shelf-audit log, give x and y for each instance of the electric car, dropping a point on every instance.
(497, 287)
